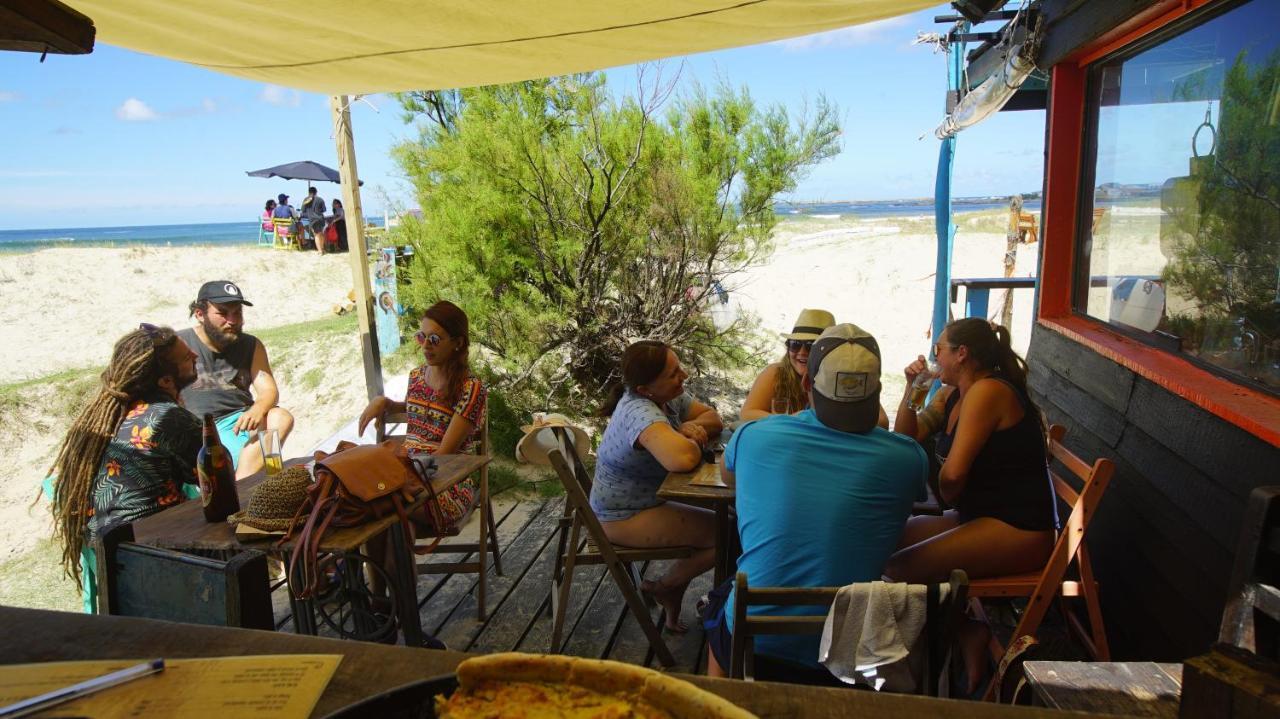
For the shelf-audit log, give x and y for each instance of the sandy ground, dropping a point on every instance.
(65, 307)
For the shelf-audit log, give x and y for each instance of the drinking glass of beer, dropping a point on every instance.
(269, 439)
(920, 387)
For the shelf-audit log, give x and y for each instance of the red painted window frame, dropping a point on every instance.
(1252, 410)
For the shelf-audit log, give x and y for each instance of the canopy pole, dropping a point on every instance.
(354, 212)
(944, 227)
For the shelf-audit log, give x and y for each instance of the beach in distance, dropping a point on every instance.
(66, 305)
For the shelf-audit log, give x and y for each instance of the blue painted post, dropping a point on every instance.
(975, 301)
(945, 228)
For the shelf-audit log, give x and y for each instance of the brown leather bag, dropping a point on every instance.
(356, 485)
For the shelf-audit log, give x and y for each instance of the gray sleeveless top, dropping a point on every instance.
(222, 378)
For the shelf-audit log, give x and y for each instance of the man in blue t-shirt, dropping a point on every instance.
(822, 495)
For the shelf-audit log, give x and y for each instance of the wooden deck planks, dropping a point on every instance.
(508, 598)
(598, 623)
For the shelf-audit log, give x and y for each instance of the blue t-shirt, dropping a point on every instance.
(817, 507)
(627, 476)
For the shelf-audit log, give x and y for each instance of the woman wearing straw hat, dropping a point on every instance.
(655, 427)
(779, 388)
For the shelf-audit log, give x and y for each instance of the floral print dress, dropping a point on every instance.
(429, 417)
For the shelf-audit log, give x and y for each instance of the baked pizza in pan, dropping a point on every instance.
(531, 686)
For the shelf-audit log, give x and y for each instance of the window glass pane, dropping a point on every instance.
(1183, 245)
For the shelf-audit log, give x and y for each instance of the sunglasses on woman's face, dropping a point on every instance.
(794, 346)
(432, 339)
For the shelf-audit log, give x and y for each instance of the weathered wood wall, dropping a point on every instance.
(1165, 534)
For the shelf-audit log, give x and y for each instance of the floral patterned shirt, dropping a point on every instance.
(152, 453)
(429, 415)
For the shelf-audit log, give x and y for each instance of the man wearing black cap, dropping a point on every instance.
(823, 494)
(234, 381)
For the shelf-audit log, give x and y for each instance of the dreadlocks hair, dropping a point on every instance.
(138, 363)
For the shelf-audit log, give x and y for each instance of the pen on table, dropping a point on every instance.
(84, 688)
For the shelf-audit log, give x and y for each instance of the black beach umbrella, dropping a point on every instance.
(304, 170)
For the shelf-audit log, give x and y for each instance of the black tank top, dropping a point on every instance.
(1009, 479)
(222, 378)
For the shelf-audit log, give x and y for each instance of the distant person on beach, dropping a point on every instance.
(338, 221)
(268, 212)
(234, 381)
(130, 452)
(313, 209)
(285, 210)
(655, 427)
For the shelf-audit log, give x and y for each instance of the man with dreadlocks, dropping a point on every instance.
(235, 384)
(129, 451)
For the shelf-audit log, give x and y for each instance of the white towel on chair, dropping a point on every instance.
(870, 631)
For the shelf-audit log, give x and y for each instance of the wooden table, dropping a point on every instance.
(34, 635)
(1144, 689)
(184, 528)
(678, 486)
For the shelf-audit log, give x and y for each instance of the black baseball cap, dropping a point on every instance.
(221, 292)
(282, 197)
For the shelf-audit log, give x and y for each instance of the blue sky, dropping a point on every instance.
(120, 138)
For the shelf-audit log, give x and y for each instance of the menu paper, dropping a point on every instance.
(269, 686)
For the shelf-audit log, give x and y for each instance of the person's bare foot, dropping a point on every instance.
(669, 598)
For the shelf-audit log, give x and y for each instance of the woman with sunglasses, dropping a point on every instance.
(779, 386)
(991, 447)
(655, 427)
(445, 402)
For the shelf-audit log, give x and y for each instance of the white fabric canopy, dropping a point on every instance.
(357, 47)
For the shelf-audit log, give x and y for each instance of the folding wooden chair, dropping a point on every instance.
(573, 550)
(137, 580)
(488, 526)
(941, 619)
(1042, 587)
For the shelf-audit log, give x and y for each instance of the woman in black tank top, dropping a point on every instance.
(991, 448)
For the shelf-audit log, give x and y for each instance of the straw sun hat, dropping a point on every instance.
(538, 439)
(810, 324)
(274, 502)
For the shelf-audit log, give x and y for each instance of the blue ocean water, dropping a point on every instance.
(246, 233)
(221, 233)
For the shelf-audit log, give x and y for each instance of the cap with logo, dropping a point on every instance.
(221, 292)
(845, 366)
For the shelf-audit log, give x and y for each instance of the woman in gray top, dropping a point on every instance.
(655, 427)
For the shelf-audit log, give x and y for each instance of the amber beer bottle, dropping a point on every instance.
(217, 479)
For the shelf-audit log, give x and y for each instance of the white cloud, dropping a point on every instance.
(9, 96)
(864, 34)
(135, 110)
(281, 96)
(209, 105)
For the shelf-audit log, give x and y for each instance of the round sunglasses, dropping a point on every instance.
(432, 339)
